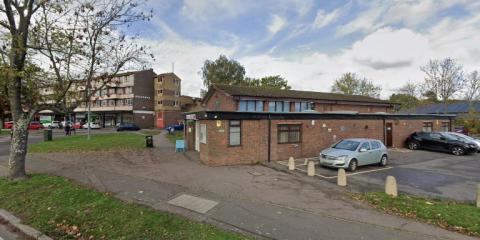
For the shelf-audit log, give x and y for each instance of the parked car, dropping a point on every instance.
(127, 127)
(465, 138)
(78, 125)
(92, 126)
(352, 153)
(176, 127)
(53, 124)
(35, 126)
(438, 141)
(8, 125)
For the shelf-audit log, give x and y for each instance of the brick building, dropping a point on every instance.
(127, 98)
(167, 99)
(243, 125)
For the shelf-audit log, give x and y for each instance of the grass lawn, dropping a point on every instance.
(173, 137)
(150, 131)
(64, 210)
(454, 216)
(4, 132)
(98, 142)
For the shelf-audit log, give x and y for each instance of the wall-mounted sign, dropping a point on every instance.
(219, 123)
(191, 117)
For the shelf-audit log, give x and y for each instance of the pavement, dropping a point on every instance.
(6, 233)
(250, 199)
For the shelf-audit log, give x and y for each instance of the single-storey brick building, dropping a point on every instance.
(243, 125)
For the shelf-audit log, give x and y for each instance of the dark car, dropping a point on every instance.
(176, 127)
(439, 142)
(127, 127)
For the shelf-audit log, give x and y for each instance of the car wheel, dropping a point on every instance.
(458, 151)
(383, 161)
(413, 145)
(352, 166)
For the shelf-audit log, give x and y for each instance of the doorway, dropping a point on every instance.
(389, 134)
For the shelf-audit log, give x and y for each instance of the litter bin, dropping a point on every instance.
(47, 135)
(149, 141)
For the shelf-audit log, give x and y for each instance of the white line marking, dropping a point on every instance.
(330, 177)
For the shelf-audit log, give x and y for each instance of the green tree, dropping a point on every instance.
(406, 101)
(350, 84)
(50, 46)
(276, 82)
(223, 71)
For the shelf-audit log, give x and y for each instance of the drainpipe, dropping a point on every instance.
(269, 136)
(384, 131)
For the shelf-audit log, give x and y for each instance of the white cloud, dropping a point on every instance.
(206, 10)
(324, 19)
(276, 24)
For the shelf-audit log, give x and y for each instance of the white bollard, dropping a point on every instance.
(291, 163)
(391, 186)
(478, 195)
(311, 168)
(342, 177)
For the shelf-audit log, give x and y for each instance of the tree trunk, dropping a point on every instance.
(18, 148)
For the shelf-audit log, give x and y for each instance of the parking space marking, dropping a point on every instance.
(283, 163)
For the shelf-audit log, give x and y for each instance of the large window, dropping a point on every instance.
(250, 106)
(289, 133)
(235, 133)
(279, 106)
(302, 106)
(427, 127)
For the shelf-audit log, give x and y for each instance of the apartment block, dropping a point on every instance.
(127, 98)
(167, 87)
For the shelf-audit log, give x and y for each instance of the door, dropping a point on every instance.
(160, 123)
(376, 151)
(197, 136)
(389, 134)
(437, 142)
(365, 158)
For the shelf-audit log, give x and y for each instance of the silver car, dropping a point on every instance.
(354, 152)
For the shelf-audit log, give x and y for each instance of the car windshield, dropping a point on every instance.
(347, 145)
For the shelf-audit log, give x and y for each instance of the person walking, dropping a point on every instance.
(67, 130)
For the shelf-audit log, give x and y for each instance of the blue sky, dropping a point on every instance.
(311, 43)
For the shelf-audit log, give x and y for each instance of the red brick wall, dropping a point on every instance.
(217, 151)
(220, 101)
(316, 135)
(325, 107)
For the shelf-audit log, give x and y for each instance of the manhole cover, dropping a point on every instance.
(200, 205)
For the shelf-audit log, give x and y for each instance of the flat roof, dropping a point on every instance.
(212, 115)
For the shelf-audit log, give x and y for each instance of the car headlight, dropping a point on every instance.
(342, 157)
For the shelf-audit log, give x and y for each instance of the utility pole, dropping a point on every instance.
(88, 109)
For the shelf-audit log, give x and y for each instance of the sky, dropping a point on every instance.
(312, 42)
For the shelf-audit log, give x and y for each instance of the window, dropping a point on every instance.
(278, 106)
(250, 106)
(104, 103)
(365, 145)
(375, 145)
(235, 133)
(289, 133)
(445, 126)
(271, 106)
(302, 106)
(119, 102)
(286, 106)
(128, 102)
(435, 136)
(427, 127)
(111, 103)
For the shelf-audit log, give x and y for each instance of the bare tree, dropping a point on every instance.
(351, 84)
(472, 87)
(410, 89)
(56, 54)
(444, 78)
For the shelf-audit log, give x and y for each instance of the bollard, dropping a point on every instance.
(391, 186)
(341, 177)
(311, 168)
(291, 163)
(478, 195)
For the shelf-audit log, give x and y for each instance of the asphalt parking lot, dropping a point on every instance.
(422, 173)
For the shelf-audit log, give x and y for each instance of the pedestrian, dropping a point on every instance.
(67, 130)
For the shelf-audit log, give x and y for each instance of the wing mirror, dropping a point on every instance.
(362, 150)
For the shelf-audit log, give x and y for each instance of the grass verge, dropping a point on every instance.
(97, 142)
(453, 216)
(64, 210)
(174, 137)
